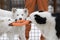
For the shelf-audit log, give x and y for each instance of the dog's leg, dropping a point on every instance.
(42, 37)
(22, 34)
(10, 36)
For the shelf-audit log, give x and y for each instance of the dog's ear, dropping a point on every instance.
(13, 10)
(25, 10)
(39, 19)
(1, 20)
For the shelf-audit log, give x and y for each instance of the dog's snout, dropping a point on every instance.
(10, 24)
(30, 21)
(15, 19)
(20, 18)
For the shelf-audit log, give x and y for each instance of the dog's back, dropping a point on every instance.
(5, 13)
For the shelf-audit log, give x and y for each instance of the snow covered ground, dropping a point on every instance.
(34, 34)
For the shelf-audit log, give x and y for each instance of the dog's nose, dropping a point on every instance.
(20, 18)
(15, 19)
(10, 24)
(30, 21)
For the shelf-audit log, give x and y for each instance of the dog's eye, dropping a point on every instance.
(17, 14)
(22, 14)
(8, 19)
(25, 11)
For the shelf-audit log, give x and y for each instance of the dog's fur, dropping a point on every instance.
(20, 14)
(17, 14)
(4, 25)
(48, 23)
(5, 13)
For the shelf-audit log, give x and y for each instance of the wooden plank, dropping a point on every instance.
(55, 3)
(2, 3)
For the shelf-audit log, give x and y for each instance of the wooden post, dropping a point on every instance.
(55, 3)
(1, 3)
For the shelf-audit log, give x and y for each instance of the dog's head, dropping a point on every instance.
(40, 17)
(20, 14)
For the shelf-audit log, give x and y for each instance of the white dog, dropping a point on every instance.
(48, 23)
(11, 31)
(20, 14)
(17, 14)
(4, 25)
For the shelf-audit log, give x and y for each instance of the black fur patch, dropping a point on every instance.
(57, 27)
(39, 19)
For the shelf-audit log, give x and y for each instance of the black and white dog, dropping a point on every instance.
(48, 23)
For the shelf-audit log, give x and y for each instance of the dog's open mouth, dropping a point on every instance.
(30, 21)
(20, 23)
(10, 24)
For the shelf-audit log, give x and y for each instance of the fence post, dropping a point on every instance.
(55, 3)
(2, 4)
